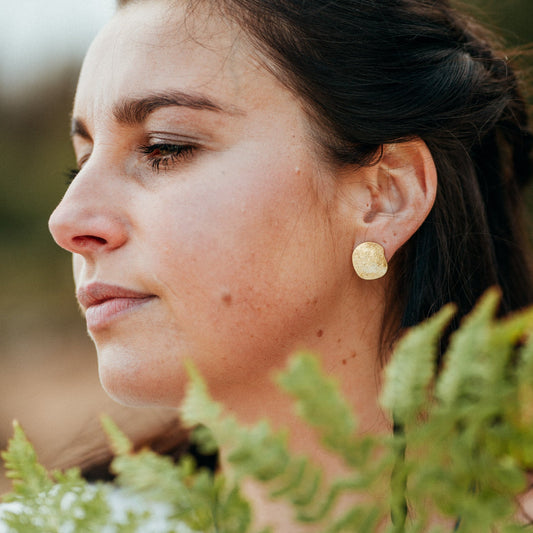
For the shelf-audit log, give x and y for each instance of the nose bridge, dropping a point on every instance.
(91, 216)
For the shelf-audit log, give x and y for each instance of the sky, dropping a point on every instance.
(37, 36)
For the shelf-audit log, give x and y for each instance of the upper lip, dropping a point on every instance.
(97, 293)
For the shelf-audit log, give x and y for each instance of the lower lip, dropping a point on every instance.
(101, 315)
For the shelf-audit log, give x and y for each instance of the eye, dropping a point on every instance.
(164, 155)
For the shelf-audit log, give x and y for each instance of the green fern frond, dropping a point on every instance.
(474, 464)
(260, 453)
(412, 368)
(120, 444)
(525, 366)
(521, 411)
(465, 366)
(29, 477)
(157, 478)
(204, 440)
(320, 403)
(199, 407)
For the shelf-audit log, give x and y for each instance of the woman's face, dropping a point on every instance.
(202, 222)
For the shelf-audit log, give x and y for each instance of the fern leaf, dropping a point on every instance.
(294, 477)
(464, 359)
(199, 407)
(505, 335)
(305, 493)
(233, 513)
(204, 440)
(29, 477)
(328, 412)
(523, 408)
(411, 368)
(525, 366)
(328, 503)
(358, 519)
(120, 444)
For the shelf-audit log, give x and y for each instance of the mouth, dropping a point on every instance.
(103, 303)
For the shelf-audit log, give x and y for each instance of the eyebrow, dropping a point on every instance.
(134, 111)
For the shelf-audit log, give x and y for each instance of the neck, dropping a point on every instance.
(358, 373)
(302, 440)
(347, 341)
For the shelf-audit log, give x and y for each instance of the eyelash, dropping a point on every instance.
(161, 154)
(70, 175)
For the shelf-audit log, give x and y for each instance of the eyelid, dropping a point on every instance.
(167, 154)
(165, 137)
(80, 162)
(82, 149)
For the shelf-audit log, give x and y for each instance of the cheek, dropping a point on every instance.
(238, 226)
(244, 254)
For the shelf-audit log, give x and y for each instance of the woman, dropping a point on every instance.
(232, 158)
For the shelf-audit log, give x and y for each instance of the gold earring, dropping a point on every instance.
(369, 261)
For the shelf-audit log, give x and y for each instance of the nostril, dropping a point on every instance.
(88, 240)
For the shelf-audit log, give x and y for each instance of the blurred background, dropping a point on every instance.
(48, 376)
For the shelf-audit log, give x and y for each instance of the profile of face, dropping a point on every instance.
(204, 223)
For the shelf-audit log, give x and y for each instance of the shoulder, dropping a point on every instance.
(96, 508)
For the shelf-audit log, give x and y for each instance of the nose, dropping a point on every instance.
(89, 220)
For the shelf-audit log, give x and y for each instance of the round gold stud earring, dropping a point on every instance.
(369, 261)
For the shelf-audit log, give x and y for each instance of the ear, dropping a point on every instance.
(392, 197)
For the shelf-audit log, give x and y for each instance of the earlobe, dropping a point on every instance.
(402, 188)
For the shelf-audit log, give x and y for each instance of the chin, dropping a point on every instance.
(133, 382)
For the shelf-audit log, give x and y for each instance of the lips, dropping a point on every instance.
(105, 303)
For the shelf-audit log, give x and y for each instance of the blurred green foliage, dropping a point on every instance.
(34, 155)
(513, 19)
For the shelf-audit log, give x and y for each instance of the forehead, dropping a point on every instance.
(156, 45)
